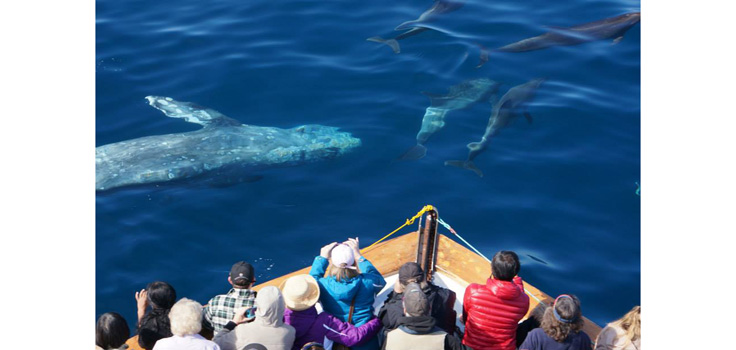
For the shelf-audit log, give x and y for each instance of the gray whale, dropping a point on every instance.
(224, 151)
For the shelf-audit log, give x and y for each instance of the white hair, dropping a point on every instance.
(186, 317)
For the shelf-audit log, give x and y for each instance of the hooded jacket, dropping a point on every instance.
(491, 313)
(336, 296)
(441, 301)
(420, 333)
(313, 327)
(268, 329)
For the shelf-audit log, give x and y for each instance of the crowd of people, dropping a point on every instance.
(333, 307)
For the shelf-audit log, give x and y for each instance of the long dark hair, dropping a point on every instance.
(155, 324)
(563, 317)
(112, 331)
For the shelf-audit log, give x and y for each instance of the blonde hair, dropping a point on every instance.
(342, 273)
(186, 317)
(631, 324)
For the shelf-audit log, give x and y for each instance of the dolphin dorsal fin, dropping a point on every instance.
(191, 112)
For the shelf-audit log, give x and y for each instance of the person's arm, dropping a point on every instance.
(226, 339)
(466, 303)
(366, 268)
(141, 300)
(450, 313)
(346, 333)
(517, 280)
(387, 312)
(207, 316)
(319, 266)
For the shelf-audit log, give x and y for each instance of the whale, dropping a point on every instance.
(609, 28)
(415, 27)
(511, 104)
(459, 96)
(224, 151)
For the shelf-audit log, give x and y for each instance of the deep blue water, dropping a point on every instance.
(561, 189)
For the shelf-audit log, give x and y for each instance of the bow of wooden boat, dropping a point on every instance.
(455, 268)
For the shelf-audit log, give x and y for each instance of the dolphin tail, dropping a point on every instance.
(484, 53)
(414, 153)
(465, 164)
(390, 42)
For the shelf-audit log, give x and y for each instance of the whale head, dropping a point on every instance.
(324, 142)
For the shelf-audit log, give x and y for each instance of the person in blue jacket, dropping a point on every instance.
(351, 281)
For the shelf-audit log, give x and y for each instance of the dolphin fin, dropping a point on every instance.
(414, 153)
(484, 53)
(528, 117)
(474, 146)
(617, 40)
(190, 112)
(407, 25)
(393, 44)
(465, 164)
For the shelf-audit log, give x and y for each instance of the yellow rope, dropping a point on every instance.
(408, 222)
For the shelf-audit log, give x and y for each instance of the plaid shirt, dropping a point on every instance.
(221, 308)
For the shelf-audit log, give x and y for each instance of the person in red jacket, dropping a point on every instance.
(492, 312)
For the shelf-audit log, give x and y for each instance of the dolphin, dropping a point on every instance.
(515, 100)
(609, 28)
(460, 96)
(416, 26)
(223, 151)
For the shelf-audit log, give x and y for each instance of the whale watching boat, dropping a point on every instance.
(447, 263)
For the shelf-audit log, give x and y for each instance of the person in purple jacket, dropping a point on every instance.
(301, 293)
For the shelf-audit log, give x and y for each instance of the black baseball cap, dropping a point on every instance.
(410, 271)
(241, 273)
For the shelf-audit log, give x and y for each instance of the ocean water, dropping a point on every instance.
(561, 191)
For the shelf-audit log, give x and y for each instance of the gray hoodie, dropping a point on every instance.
(267, 331)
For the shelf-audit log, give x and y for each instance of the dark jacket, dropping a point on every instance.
(424, 325)
(539, 340)
(441, 300)
(313, 327)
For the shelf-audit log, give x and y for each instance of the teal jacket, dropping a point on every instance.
(336, 297)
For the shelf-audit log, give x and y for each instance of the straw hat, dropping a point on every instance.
(300, 292)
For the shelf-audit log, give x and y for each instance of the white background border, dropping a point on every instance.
(688, 173)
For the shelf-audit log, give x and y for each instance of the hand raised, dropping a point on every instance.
(354, 243)
(141, 299)
(325, 251)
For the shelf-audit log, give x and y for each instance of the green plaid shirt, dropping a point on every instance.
(221, 308)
